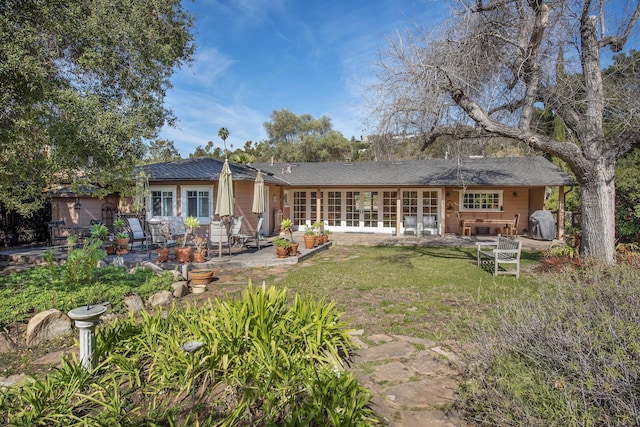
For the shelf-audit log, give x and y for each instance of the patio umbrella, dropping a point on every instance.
(258, 201)
(224, 201)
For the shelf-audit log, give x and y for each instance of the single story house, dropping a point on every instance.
(373, 197)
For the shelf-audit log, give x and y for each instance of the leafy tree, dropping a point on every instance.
(207, 151)
(161, 150)
(496, 62)
(628, 197)
(82, 85)
(302, 138)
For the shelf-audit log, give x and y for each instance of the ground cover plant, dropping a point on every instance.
(569, 357)
(264, 361)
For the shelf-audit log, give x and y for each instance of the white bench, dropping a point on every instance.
(503, 251)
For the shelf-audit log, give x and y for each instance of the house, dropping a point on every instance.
(375, 197)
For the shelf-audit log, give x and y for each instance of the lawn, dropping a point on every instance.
(418, 291)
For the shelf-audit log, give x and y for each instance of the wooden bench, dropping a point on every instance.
(503, 251)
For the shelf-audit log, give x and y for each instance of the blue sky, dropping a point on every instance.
(308, 56)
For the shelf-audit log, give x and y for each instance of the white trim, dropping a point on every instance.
(498, 207)
(184, 199)
(173, 189)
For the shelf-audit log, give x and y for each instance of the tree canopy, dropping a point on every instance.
(293, 138)
(496, 63)
(82, 86)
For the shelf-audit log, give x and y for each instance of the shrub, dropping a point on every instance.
(567, 358)
(263, 362)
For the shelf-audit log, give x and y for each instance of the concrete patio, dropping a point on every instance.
(12, 259)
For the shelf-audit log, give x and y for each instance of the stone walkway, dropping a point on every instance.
(413, 380)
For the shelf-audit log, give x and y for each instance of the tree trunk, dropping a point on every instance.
(598, 215)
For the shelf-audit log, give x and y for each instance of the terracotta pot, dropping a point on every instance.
(199, 256)
(111, 250)
(293, 250)
(200, 277)
(163, 255)
(323, 239)
(122, 246)
(309, 242)
(282, 252)
(183, 255)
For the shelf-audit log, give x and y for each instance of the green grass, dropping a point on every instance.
(417, 291)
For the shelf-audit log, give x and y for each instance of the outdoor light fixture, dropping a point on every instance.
(515, 194)
(77, 204)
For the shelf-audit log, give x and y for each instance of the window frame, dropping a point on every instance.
(163, 189)
(185, 200)
(496, 207)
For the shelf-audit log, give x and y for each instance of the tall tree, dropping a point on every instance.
(494, 63)
(82, 85)
(161, 150)
(223, 133)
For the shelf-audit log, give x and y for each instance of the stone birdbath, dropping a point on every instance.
(86, 318)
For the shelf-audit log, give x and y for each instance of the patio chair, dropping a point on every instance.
(429, 225)
(218, 236)
(58, 233)
(237, 237)
(513, 231)
(158, 237)
(137, 234)
(411, 224)
(465, 230)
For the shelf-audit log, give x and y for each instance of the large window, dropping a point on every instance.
(482, 200)
(198, 203)
(162, 202)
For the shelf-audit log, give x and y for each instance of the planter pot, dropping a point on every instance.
(200, 277)
(163, 255)
(111, 250)
(282, 252)
(122, 246)
(199, 257)
(293, 250)
(198, 289)
(183, 255)
(323, 239)
(309, 242)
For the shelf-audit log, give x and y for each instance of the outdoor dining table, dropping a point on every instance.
(489, 223)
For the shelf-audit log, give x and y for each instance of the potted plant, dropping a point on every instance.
(201, 276)
(286, 226)
(183, 254)
(167, 235)
(309, 236)
(282, 246)
(200, 253)
(121, 238)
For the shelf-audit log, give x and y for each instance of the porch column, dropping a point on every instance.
(560, 211)
(398, 211)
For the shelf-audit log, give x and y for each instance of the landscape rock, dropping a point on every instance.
(6, 346)
(47, 325)
(177, 276)
(134, 303)
(147, 265)
(161, 298)
(180, 289)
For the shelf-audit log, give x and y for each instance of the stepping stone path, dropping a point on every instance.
(413, 381)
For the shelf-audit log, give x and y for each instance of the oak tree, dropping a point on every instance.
(496, 63)
(82, 87)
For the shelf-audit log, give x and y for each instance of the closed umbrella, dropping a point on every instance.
(258, 201)
(224, 201)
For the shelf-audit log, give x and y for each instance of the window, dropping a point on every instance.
(481, 201)
(162, 202)
(198, 202)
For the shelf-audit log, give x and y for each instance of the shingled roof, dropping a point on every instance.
(503, 171)
(203, 169)
(512, 171)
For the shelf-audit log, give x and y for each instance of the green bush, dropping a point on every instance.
(568, 358)
(263, 363)
(42, 288)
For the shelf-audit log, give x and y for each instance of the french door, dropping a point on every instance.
(362, 210)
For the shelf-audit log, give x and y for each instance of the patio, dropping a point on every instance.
(12, 259)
